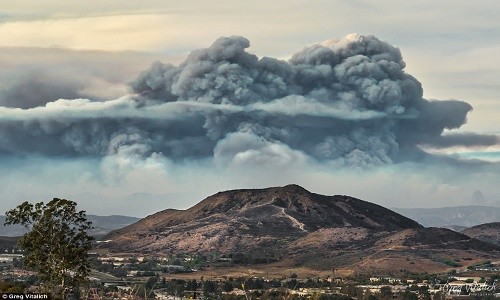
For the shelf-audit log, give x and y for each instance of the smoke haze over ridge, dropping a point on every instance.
(343, 104)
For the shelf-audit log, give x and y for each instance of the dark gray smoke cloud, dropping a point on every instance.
(37, 87)
(348, 101)
(32, 77)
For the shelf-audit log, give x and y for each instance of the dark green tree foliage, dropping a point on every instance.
(227, 286)
(192, 285)
(386, 292)
(57, 244)
(9, 287)
(209, 287)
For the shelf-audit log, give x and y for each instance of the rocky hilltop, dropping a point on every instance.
(242, 219)
(292, 224)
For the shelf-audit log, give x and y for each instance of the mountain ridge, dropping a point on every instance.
(292, 224)
(290, 198)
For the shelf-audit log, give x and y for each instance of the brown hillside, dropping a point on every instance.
(291, 224)
(489, 232)
(236, 220)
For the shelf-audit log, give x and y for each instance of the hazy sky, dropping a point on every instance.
(404, 114)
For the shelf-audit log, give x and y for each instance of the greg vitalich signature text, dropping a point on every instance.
(24, 296)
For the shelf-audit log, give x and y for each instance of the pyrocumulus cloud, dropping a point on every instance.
(347, 101)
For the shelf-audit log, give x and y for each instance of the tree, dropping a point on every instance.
(192, 285)
(209, 287)
(386, 292)
(227, 287)
(56, 245)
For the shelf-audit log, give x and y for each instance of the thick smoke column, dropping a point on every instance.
(347, 101)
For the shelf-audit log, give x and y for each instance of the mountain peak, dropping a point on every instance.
(289, 211)
(295, 188)
(290, 224)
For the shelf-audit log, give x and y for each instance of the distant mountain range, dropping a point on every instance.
(460, 216)
(290, 227)
(102, 225)
(455, 218)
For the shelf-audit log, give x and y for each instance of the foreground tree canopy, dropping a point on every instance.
(57, 244)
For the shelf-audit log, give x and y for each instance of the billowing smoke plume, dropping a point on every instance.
(347, 101)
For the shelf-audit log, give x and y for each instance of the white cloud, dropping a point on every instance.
(245, 149)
